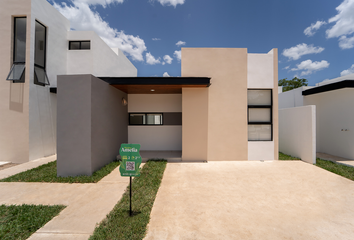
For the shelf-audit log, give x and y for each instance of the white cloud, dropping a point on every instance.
(344, 20)
(156, 39)
(177, 55)
(170, 2)
(84, 19)
(167, 59)
(311, 30)
(299, 50)
(104, 3)
(151, 59)
(348, 71)
(165, 74)
(287, 67)
(180, 43)
(344, 24)
(346, 43)
(309, 67)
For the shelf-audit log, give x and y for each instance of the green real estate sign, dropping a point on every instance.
(131, 160)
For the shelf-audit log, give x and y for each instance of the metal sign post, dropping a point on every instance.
(130, 165)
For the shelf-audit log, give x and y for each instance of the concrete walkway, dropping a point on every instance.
(252, 200)
(340, 160)
(87, 204)
(26, 166)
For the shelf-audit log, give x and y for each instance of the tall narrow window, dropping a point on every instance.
(40, 75)
(260, 115)
(17, 72)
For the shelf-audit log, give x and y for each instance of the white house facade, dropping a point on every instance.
(334, 101)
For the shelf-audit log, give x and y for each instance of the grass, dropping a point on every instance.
(283, 156)
(118, 224)
(340, 169)
(20, 222)
(48, 173)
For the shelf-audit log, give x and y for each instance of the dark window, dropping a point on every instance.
(260, 120)
(40, 75)
(145, 118)
(79, 45)
(172, 118)
(19, 51)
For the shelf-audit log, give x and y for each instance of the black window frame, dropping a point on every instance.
(35, 78)
(80, 42)
(14, 62)
(146, 113)
(270, 107)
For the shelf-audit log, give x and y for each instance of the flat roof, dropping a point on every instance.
(156, 85)
(329, 87)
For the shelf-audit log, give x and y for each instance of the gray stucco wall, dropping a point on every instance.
(91, 124)
(109, 123)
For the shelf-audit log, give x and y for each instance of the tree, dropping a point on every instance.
(292, 84)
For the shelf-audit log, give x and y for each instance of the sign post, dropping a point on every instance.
(130, 165)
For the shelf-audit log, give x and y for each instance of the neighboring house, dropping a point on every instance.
(37, 46)
(222, 108)
(334, 100)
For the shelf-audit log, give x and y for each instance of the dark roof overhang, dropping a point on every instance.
(156, 85)
(329, 87)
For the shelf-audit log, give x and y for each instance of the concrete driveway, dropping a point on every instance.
(252, 200)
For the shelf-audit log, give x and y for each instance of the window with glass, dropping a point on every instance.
(17, 71)
(79, 45)
(260, 120)
(40, 75)
(145, 118)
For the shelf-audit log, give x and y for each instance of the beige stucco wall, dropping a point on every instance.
(154, 102)
(14, 97)
(226, 99)
(152, 138)
(194, 123)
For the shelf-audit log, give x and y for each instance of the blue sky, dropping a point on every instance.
(315, 38)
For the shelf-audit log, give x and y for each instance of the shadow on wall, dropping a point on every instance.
(16, 97)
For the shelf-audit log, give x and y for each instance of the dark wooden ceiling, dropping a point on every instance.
(155, 89)
(156, 85)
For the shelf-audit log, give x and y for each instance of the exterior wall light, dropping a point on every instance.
(152, 90)
(124, 102)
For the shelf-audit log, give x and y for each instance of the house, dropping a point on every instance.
(222, 108)
(37, 46)
(67, 93)
(334, 100)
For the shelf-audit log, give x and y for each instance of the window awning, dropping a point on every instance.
(156, 85)
(17, 73)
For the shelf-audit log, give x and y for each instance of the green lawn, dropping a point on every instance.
(283, 156)
(340, 169)
(118, 224)
(21, 221)
(48, 173)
